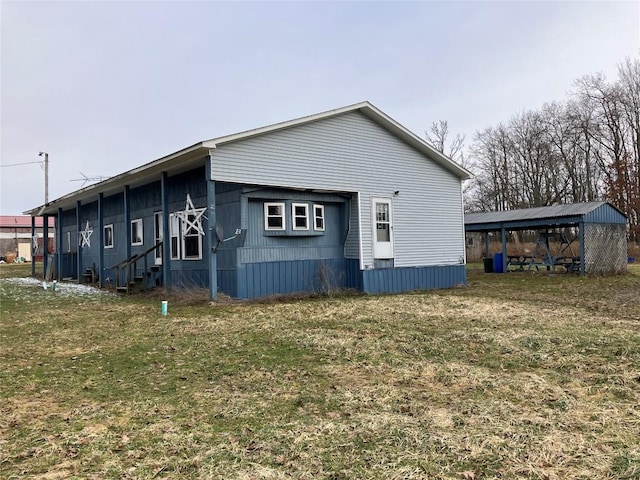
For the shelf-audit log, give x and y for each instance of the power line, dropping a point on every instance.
(17, 164)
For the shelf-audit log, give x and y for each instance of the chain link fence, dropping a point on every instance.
(605, 249)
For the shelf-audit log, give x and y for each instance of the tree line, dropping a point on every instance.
(582, 149)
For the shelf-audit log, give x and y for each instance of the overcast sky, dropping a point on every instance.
(104, 87)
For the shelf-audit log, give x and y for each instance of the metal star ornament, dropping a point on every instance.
(85, 236)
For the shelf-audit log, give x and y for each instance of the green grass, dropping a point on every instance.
(514, 376)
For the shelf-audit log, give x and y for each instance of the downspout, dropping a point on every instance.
(211, 240)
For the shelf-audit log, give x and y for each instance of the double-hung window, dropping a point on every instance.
(137, 237)
(318, 218)
(184, 237)
(274, 216)
(191, 238)
(300, 216)
(174, 236)
(108, 236)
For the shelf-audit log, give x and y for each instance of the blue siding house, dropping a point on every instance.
(344, 199)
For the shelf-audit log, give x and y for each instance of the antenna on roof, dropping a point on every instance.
(86, 179)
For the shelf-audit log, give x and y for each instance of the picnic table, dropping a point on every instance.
(522, 261)
(527, 262)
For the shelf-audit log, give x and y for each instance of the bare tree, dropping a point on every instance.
(438, 136)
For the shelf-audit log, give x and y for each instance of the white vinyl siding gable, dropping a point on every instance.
(351, 153)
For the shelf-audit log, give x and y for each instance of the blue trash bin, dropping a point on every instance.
(497, 263)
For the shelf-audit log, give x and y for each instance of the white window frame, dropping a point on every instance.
(139, 225)
(382, 249)
(157, 234)
(68, 242)
(174, 233)
(106, 228)
(281, 216)
(295, 216)
(317, 217)
(190, 233)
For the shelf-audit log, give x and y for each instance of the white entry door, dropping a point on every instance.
(382, 228)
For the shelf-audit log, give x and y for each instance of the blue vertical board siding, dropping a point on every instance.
(69, 265)
(90, 255)
(190, 278)
(256, 280)
(316, 276)
(397, 280)
(353, 274)
(227, 283)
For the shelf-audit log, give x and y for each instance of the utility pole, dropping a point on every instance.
(46, 176)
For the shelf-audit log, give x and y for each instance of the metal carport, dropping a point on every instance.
(602, 228)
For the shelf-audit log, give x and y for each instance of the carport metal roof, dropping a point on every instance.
(544, 217)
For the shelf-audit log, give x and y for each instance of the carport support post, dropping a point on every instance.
(486, 245)
(504, 249)
(582, 255)
(33, 250)
(212, 239)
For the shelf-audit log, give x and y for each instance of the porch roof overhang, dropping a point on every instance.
(181, 161)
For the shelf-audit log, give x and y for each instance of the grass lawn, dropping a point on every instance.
(514, 376)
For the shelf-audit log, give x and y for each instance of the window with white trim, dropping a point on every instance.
(157, 237)
(274, 216)
(318, 218)
(108, 236)
(174, 236)
(191, 238)
(185, 240)
(68, 242)
(137, 237)
(300, 216)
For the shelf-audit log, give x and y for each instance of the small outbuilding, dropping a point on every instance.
(19, 241)
(598, 244)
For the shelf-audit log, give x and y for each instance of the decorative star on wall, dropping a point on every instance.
(34, 243)
(85, 236)
(192, 217)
